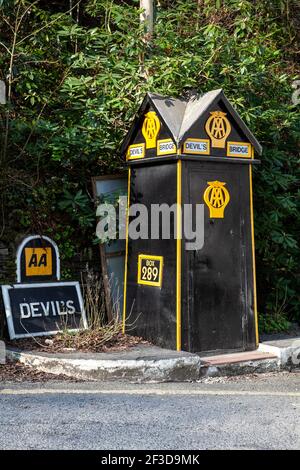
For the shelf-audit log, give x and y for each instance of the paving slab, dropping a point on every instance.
(239, 363)
(237, 357)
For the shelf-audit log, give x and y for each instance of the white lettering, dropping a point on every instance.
(45, 308)
(53, 308)
(70, 307)
(23, 313)
(34, 306)
(58, 306)
(39, 309)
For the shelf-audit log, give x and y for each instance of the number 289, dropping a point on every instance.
(149, 273)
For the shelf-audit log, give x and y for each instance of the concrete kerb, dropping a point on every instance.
(184, 367)
(153, 364)
(287, 350)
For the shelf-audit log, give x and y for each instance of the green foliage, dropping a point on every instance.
(78, 207)
(270, 323)
(75, 80)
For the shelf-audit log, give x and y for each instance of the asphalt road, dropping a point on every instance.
(260, 412)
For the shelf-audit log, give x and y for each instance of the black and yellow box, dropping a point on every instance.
(183, 153)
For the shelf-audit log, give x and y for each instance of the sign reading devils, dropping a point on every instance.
(43, 309)
(34, 306)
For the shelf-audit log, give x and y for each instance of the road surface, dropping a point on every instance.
(260, 412)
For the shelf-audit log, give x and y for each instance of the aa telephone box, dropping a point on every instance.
(188, 152)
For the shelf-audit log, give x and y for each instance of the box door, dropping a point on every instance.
(216, 273)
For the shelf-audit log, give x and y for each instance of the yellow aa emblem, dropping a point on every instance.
(218, 128)
(38, 261)
(216, 197)
(150, 129)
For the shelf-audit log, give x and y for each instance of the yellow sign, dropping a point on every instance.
(196, 146)
(38, 261)
(216, 197)
(150, 269)
(239, 149)
(135, 151)
(150, 129)
(166, 147)
(218, 128)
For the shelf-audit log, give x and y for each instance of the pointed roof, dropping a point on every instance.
(170, 110)
(196, 106)
(179, 114)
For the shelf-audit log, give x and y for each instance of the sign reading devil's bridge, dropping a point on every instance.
(34, 306)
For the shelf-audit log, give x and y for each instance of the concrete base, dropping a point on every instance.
(154, 364)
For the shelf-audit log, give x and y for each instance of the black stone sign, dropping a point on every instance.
(43, 309)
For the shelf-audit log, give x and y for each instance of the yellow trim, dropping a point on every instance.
(168, 152)
(161, 265)
(253, 258)
(178, 259)
(135, 157)
(206, 152)
(249, 154)
(126, 251)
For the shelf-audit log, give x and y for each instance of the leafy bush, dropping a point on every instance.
(75, 79)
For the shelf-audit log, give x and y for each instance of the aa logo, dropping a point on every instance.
(38, 261)
(150, 129)
(216, 197)
(218, 128)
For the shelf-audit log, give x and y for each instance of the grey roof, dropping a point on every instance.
(196, 106)
(171, 110)
(179, 115)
